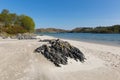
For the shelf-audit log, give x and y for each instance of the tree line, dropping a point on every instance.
(100, 29)
(12, 23)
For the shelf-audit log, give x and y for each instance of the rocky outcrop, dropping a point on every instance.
(26, 36)
(18, 36)
(4, 35)
(58, 52)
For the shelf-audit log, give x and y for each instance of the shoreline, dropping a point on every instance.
(19, 62)
(90, 41)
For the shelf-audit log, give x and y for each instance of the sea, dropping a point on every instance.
(107, 39)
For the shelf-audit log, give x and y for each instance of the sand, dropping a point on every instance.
(19, 62)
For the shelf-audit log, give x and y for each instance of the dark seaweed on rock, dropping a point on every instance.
(59, 51)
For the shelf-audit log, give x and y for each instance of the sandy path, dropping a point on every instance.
(18, 62)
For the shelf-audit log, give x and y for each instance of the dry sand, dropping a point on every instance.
(19, 62)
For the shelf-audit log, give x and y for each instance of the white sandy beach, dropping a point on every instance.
(19, 62)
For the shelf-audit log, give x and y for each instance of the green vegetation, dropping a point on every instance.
(50, 30)
(12, 23)
(107, 29)
(82, 30)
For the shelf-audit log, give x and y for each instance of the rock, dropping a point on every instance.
(20, 36)
(58, 51)
(25, 36)
(45, 40)
(4, 35)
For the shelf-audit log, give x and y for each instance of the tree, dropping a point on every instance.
(12, 23)
(27, 23)
(5, 17)
(13, 18)
(116, 28)
(5, 11)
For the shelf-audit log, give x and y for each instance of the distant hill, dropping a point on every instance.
(100, 29)
(82, 30)
(51, 30)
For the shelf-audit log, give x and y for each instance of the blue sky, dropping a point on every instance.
(66, 14)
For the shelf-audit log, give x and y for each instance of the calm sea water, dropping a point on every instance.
(113, 39)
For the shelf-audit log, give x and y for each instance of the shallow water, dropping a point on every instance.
(112, 39)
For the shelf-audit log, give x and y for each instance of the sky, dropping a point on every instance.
(66, 14)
